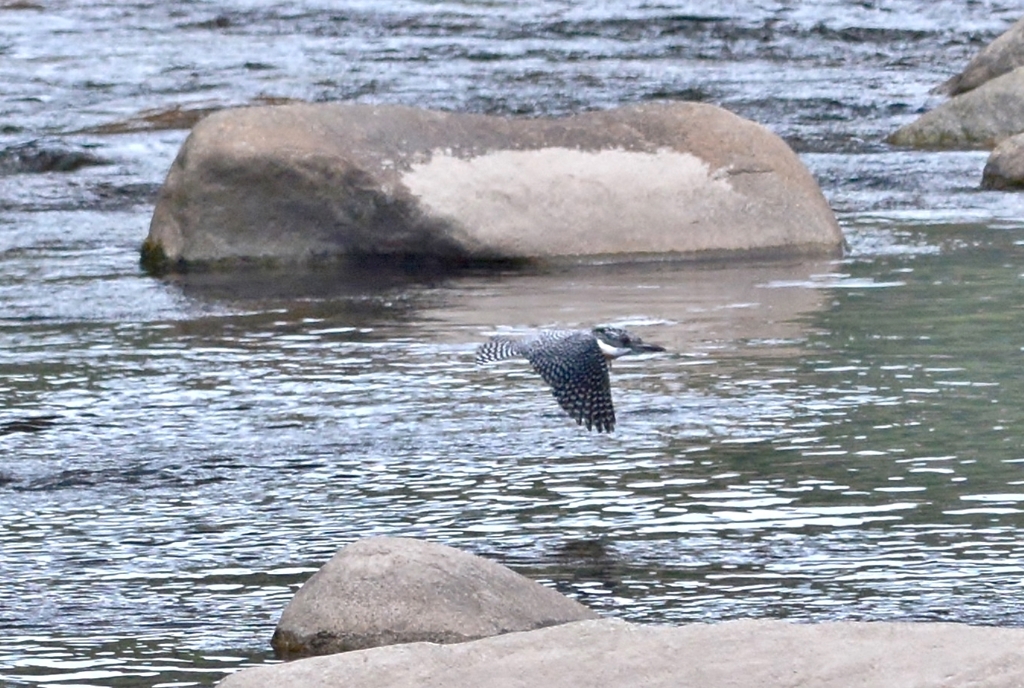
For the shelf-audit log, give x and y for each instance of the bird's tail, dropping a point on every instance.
(498, 349)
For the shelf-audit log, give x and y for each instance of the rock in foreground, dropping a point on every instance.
(738, 654)
(385, 590)
(306, 182)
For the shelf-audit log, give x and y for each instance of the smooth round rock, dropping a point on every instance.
(1005, 166)
(999, 57)
(309, 182)
(978, 119)
(386, 590)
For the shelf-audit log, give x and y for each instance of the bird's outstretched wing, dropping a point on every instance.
(572, 363)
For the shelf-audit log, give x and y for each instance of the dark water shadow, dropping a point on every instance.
(358, 277)
(28, 424)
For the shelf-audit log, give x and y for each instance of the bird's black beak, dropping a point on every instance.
(643, 348)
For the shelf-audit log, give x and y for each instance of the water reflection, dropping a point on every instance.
(821, 442)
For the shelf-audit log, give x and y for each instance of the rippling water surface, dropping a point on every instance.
(823, 440)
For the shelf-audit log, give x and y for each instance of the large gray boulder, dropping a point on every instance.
(738, 654)
(1005, 166)
(1001, 56)
(978, 119)
(385, 590)
(303, 182)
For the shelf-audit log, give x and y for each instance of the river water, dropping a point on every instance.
(823, 439)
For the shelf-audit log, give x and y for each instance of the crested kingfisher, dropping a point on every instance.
(575, 363)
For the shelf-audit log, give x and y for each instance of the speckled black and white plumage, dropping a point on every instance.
(573, 363)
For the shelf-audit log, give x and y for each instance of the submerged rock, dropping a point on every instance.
(385, 590)
(1005, 166)
(977, 119)
(175, 117)
(46, 156)
(297, 183)
(740, 654)
(999, 57)
(29, 424)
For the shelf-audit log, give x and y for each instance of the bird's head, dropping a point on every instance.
(615, 342)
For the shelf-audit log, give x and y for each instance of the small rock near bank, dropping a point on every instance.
(978, 119)
(1004, 169)
(999, 57)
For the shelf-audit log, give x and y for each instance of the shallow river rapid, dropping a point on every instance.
(822, 439)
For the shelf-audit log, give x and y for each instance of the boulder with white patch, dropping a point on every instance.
(298, 183)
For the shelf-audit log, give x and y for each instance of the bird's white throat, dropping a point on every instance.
(612, 351)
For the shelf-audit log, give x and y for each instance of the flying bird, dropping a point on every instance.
(575, 363)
